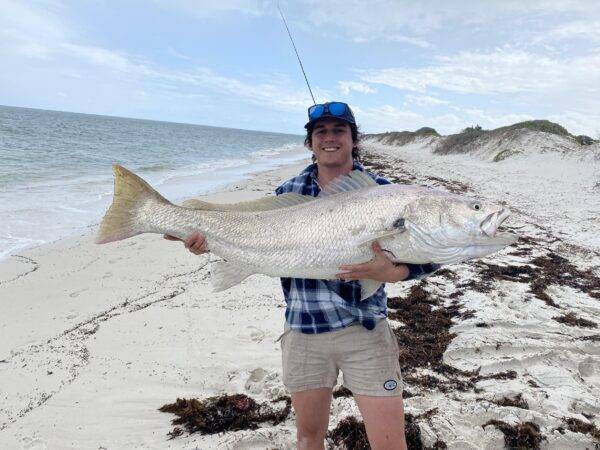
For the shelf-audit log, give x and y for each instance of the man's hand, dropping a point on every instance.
(380, 268)
(195, 242)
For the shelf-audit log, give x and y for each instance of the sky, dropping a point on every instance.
(401, 65)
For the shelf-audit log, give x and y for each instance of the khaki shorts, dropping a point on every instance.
(368, 360)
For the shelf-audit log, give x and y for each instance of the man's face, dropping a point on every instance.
(332, 142)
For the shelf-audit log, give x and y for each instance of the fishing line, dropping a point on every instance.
(297, 55)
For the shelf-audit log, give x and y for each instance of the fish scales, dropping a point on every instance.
(305, 237)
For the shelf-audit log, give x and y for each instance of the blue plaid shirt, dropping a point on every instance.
(318, 306)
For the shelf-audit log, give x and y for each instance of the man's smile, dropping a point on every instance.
(330, 149)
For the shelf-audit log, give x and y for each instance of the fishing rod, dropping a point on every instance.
(297, 54)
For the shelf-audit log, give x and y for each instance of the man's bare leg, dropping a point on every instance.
(312, 417)
(384, 421)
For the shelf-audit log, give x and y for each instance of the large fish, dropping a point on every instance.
(299, 236)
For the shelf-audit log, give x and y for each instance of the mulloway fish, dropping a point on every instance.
(299, 236)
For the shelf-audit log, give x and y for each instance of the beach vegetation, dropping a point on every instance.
(506, 154)
(544, 126)
(460, 142)
(473, 137)
(404, 137)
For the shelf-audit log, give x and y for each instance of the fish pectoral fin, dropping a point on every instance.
(262, 204)
(225, 275)
(368, 288)
(379, 236)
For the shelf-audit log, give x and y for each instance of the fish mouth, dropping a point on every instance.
(489, 225)
(499, 239)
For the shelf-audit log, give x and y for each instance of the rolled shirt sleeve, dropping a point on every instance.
(418, 271)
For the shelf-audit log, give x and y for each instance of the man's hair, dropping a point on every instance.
(355, 139)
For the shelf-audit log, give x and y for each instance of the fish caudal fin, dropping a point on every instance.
(122, 220)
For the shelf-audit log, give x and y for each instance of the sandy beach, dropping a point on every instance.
(96, 338)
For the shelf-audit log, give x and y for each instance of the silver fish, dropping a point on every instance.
(299, 236)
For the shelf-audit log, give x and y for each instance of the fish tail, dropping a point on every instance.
(123, 218)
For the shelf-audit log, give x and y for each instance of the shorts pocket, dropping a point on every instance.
(294, 355)
(393, 337)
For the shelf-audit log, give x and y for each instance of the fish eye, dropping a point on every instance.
(476, 206)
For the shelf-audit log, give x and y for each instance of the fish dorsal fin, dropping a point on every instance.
(262, 204)
(354, 180)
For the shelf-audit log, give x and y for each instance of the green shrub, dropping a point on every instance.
(506, 154)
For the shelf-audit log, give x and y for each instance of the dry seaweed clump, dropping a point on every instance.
(523, 436)
(425, 336)
(342, 391)
(516, 402)
(572, 319)
(223, 413)
(579, 426)
(349, 434)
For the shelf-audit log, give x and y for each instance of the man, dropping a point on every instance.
(328, 327)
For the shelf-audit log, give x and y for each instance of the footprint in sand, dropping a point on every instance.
(262, 381)
(589, 367)
(34, 444)
(259, 440)
(252, 334)
(76, 293)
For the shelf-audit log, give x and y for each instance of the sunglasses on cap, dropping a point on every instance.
(339, 110)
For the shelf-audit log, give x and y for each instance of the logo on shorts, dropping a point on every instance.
(390, 385)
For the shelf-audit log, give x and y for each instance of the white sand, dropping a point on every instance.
(96, 338)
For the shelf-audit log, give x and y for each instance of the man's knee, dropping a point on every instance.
(312, 417)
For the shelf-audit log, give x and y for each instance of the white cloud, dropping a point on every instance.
(346, 87)
(36, 32)
(499, 72)
(566, 90)
(578, 29)
(102, 57)
(381, 19)
(417, 42)
(177, 54)
(389, 118)
(211, 9)
(579, 123)
(424, 100)
(28, 30)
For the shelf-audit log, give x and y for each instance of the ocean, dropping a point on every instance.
(56, 167)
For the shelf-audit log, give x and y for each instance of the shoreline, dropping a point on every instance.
(176, 188)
